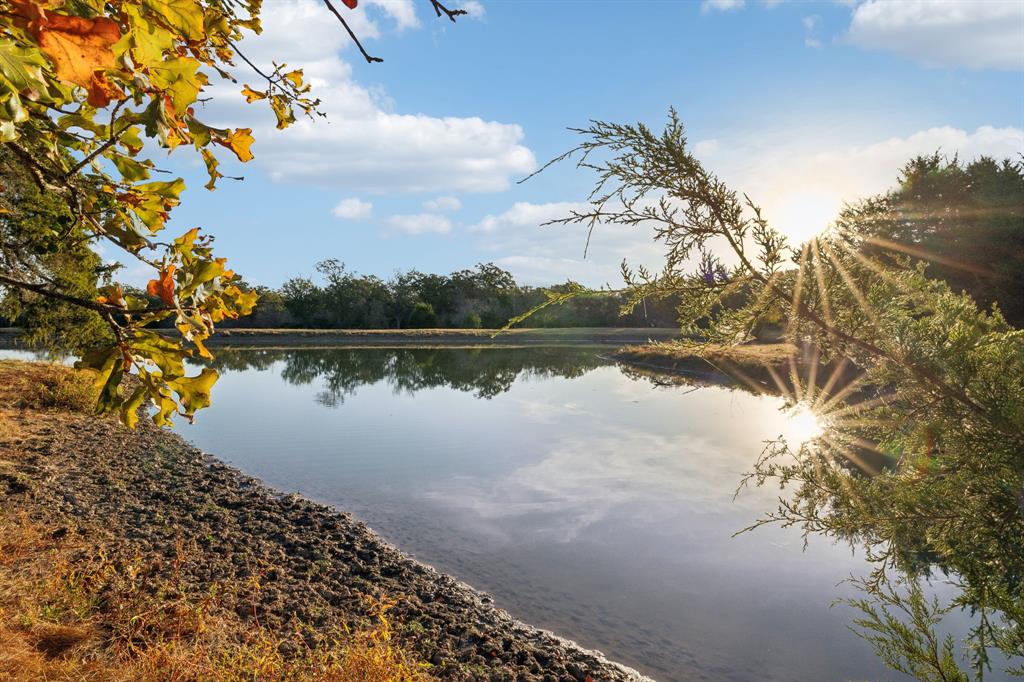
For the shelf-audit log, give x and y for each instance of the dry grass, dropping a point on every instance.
(68, 612)
(45, 385)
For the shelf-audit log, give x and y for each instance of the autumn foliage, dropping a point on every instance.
(87, 88)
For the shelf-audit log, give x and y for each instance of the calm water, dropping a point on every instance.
(586, 499)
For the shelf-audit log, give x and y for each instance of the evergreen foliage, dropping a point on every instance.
(938, 393)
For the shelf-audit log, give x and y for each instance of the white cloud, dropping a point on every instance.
(542, 255)
(812, 43)
(402, 11)
(474, 9)
(940, 33)
(442, 204)
(811, 22)
(353, 209)
(721, 5)
(363, 144)
(525, 214)
(421, 223)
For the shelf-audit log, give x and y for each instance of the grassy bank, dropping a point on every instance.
(767, 367)
(132, 555)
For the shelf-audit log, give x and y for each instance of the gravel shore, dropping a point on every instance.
(148, 491)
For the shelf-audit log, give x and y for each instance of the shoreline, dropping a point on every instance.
(148, 491)
(331, 338)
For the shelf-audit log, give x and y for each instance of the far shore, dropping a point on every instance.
(400, 337)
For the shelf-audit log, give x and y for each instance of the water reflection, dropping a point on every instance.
(407, 370)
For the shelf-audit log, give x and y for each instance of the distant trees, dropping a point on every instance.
(486, 296)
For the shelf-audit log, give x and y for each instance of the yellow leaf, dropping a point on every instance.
(294, 77)
(239, 142)
(183, 16)
(253, 95)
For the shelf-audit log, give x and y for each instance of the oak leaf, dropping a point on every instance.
(239, 142)
(252, 95)
(102, 91)
(164, 286)
(78, 47)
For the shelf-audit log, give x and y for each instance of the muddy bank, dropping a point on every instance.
(148, 492)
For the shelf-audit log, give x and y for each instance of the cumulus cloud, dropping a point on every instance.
(943, 33)
(421, 223)
(442, 204)
(353, 209)
(364, 144)
(541, 255)
(721, 5)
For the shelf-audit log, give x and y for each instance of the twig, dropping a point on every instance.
(451, 13)
(366, 55)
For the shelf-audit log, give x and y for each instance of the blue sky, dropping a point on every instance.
(803, 105)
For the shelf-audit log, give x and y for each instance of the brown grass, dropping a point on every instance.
(68, 612)
(45, 385)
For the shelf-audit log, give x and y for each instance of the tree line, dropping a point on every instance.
(485, 296)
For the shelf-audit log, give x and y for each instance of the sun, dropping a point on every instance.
(802, 425)
(805, 213)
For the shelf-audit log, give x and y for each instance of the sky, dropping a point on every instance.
(801, 105)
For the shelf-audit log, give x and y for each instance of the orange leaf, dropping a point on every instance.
(163, 287)
(101, 91)
(78, 46)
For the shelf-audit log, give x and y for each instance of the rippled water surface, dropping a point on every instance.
(587, 499)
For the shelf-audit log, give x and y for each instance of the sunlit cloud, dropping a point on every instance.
(802, 188)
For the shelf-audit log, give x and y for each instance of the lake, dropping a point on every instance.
(586, 499)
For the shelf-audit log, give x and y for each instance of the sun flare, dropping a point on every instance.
(802, 425)
(806, 213)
